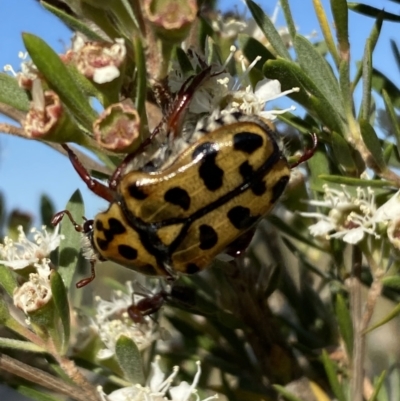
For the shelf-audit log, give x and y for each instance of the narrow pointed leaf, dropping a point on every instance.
(330, 369)
(19, 345)
(373, 39)
(292, 75)
(317, 67)
(381, 82)
(62, 306)
(75, 24)
(130, 360)
(7, 280)
(36, 395)
(46, 210)
(318, 165)
(341, 18)
(285, 393)
(372, 12)
(70, 247)
(252, 48)
(377, 386)
(396, 53)
(342, 153)
(324, 23)
(345, 324)
(391, 282)
(372, 142)
(288, 18)
(394, 312)
(367, 79)
(269, 30)
(357, 182)
(59, 79)
(11, 94)
(392, 117)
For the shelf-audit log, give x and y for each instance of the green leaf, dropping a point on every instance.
(319, 166)
(310, 97)
(184, 61)
(394, 312)
(141, 81)
(373, 39)
(372, 12)
(380, 82)
(341, 18)
(344, 81)
(62, 306)
(75, 24)
(59, 79)
(317, 67)
(130, 360)
(342, 152)
(7, 280)
(345, 324)
(372, 143)
(11, 93)
(367, 79)
(291, 231)
(252, 48)
(396, 52)
(46, 210)
(269, 30)
(4, 312)
(330, 369)
(70, 247)
(377, 386)
(35, 394)
(391, 282)
(392, 117)
(19, 345)
(358, 182)
(285, 393)
(288, 18)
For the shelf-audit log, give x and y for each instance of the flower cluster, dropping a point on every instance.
(112, 321)
(351, 217)
(159, 388)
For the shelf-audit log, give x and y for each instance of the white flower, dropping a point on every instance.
(112, 321)
(36, 292)
(24, 253)
(351, 217)
(224, 93)
(159, 388)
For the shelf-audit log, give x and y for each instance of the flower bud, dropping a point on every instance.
(117, 128)
(100, 62)
(171, 19)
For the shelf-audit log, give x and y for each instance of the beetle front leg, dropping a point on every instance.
(95, 186)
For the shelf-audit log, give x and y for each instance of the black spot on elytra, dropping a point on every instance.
(247, 142)
(99, 225)
(241, 218)
(136, 192)
(102, 243)
(127, 252)
(148, 269)
(208, 237)
(246, 171)
(278, 188)
(209, 171)
(258, 185)
(178, 196)
(192, 268)
(116, 228)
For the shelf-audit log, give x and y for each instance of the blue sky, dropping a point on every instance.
(28, 168)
